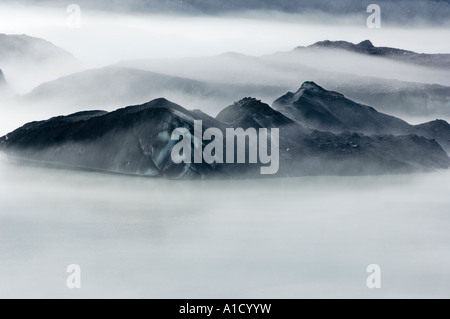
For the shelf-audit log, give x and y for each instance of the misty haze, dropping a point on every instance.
(90, 98)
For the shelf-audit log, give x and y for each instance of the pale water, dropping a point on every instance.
(281, 238)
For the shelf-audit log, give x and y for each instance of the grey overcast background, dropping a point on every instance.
(204, 28)
(403, 11)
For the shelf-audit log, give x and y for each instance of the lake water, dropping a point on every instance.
(280, 238)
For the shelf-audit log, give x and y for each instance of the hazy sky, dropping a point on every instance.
(147, 238)
(395, 11)
(106, 37)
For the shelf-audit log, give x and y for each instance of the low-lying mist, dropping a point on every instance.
(294, 67)
(141, 237)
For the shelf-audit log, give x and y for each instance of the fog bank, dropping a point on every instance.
(148, 238)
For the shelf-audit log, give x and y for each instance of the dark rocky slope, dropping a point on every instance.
(136, 140)
(325, 110)
(133, 140)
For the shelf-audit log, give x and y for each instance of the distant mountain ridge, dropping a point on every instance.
(22, 55)
(399, 86)
(136, 140)
(116, 86)
(366, 47)
(22, 46)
